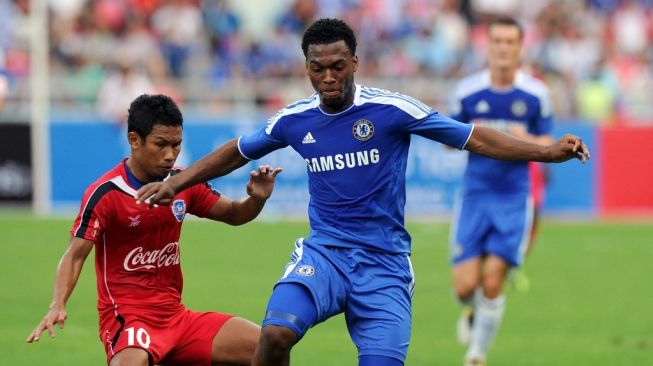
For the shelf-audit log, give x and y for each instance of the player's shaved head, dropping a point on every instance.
(325, 31)
(149, 110)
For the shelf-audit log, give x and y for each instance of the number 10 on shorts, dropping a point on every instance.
(142, 337)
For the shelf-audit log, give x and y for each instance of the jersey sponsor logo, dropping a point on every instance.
(308, 139)
(342, 161)
(179, 209)
(305, 270)
(519, 108)
(363, 130)
(482, 106)
(134, 221)
(139, 258)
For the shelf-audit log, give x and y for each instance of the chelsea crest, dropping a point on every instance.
(363, 130)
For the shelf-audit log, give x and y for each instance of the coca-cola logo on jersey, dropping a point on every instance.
(149, 259)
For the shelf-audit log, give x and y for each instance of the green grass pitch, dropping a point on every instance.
(590, 303)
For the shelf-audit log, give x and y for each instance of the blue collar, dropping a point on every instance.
(131, 178)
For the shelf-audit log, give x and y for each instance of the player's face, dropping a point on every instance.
(154, 156)
(504, 47)
(331, 67)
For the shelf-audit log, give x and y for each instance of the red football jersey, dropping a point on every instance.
(137, 249)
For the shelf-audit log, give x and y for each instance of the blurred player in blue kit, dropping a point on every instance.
(493, 217)
(354, 140)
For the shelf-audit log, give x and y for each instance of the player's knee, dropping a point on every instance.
(492, 287)
(277, 339)
(465, 291)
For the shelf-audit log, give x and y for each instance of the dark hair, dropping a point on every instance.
(325, 31)
(149, 110)
(510, 22)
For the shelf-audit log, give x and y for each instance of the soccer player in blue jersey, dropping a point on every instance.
(494, 215)
(354, 140)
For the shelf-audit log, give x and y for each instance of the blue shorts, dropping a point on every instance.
(372, 289)
(491, 224)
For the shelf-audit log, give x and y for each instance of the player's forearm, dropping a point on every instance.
(66, 278)
(221, 161)
(245, 210)
(498, 145)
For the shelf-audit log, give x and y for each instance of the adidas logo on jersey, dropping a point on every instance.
(308, 139)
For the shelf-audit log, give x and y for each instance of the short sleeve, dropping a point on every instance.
(543, 123)
(442, 129)
(264, 140)
(92, 217)
(202, 198)
(258, 144)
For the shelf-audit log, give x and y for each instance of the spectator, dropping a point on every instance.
(178, 24)
(119, 89)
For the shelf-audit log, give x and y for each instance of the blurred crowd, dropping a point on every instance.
(596, 55)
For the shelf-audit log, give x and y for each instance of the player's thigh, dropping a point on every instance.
(235, 342)
(469, 229)
(130, 357)
(378, 311)
(495, 270)
(511, 229)
(131, 332)
(320, 270)
(194, 334)
(291, 306)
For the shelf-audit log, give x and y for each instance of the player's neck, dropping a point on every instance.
(137, 172)
(502, 78)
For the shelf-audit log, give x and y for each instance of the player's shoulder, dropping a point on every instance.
(531, 85)
(298, 106)
(104, 184)
(472, 84)
(293, 109)
(107, 176)
(367, 94)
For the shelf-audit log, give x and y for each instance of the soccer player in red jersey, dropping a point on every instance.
(137, 254)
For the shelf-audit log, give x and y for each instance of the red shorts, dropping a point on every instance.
(184, 337)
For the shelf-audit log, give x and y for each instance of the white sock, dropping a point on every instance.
(488, 314)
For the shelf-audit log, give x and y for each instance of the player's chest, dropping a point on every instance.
(335, 135)
(133, 218)
(501, 113)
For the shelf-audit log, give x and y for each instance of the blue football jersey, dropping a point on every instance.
(356, 162)
(525, 106)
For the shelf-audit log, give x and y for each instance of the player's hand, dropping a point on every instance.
(156, 193)
(261, 182)
(569, 147)
(54, 316)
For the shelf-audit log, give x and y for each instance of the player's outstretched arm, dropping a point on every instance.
(259, 189)
(70, 266)
(220, 162)
(498, 145)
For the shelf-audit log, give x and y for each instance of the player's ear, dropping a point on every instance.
(354, 61)
(134, 139)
